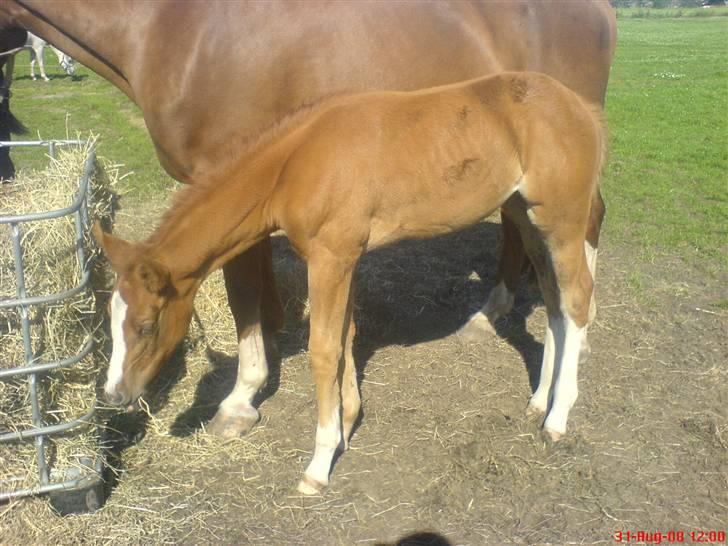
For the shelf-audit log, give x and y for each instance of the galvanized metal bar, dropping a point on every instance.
(79, 203)
(40, 431)
(28, 350)
(53, 298)
(80, 252)
(67, 485)
(88, 172)
(49, 215)
(48, 366)
(45, 430)
(38, 143)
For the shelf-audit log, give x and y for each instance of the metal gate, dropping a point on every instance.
(77, 489)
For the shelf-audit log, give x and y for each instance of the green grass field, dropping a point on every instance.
(672, 13)
(668, 114)
(667, 108)
(87, 104)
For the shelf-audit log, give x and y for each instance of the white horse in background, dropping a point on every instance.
(37, 45)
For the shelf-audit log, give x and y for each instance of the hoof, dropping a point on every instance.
(552, 435)
(477, 328)
(533, 410)
(225, 425)
(309, 486)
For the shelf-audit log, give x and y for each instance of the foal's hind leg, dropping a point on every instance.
(350, 397)
(539, 401)
(567, 287)
(575, 286)
(501, 297)
(254, 303)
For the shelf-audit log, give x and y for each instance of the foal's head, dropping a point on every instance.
(149, 317)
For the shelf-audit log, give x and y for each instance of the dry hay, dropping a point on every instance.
(140, 510)
(57, 330)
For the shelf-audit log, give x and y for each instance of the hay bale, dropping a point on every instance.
(58, 330)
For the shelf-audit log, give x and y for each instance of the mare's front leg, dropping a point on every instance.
(256, 308)
(329, 280)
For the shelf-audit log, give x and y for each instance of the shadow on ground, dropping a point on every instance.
(410, 293)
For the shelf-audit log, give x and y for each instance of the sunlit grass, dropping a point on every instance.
(668, 113)
(87, 103)
(665, 13)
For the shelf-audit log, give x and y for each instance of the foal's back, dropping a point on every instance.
(391, 165)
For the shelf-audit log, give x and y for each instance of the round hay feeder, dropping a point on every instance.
(49, 432)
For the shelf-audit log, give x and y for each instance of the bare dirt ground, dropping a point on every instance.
(444, 453)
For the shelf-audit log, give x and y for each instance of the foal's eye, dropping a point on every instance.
(146, 329)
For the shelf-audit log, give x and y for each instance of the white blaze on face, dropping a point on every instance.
(118, 351)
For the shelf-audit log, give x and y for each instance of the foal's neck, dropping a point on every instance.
(211, 223)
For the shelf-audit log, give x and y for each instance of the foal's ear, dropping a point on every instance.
(153, 276)
(117, 250)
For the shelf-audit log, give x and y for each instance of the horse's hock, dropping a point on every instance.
(49, 434)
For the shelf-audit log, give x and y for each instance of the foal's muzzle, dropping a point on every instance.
(119, 399)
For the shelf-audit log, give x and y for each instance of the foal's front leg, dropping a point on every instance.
(329, 281)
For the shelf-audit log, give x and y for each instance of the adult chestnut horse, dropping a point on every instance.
(359, 172)
(206, 73)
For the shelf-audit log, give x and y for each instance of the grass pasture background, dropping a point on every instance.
(444, 446)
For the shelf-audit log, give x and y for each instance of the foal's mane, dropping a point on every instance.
(234, 154)
(242, 146)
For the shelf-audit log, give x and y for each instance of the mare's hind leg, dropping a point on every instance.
(501, 298)
(330, 279)
(255, 306)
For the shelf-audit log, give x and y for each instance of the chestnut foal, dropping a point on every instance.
(357, 172)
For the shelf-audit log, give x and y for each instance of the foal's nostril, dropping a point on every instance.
(115, 398)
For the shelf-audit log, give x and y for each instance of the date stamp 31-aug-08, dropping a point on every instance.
(670, 537)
